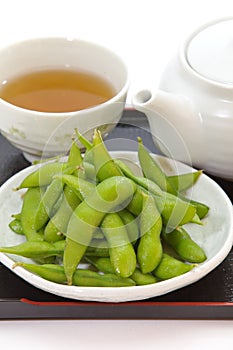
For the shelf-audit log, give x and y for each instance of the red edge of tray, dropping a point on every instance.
(139, 303)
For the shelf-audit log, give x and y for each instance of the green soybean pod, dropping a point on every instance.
(131, 224)
(49, 199)
(31, 202)
(107, 195)
(170, 267)
(80, 186)
(102, 264)
(93, 279)
(75, 156)
(47, 203)
(85, 142)
(89, 171)
(149, 252)
(16, 226)
(196, 220)
(33, 250)
(151, 169)
(140, 180)
(201, 208)
(182, 212)
(57, 225)
(174, 211)
(135, 205)
(183, 182)
(43, 176)
(142, 279)
(163, 199)
(58, 222)
(121, 251)
(88, 155)
(186, 248)
(104, 164)
(82, 277)
(105, 265)
(154, 172)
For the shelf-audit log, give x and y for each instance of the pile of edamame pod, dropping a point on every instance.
(91, 221)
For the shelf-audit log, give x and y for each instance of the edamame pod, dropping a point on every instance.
(104, 164)
(184, 245)
(131, 224)
(201, 208)
(149, 252)
(174, 210)
(108, 195)
(57, 226)
(183, 182)
(135, 205)
(122, 254)
(153, 188)
(154, 172)
(33, 250)
(170, 267)
(49, 199)
(82, 277)
(172, 184)
(142, 279)
(80, 186)
(86, 143)
(151, 169)
(31, 201)
(105, 265)
(75, 157)
(102, 264)
(139, 180)
(43, 176)
(42, 250)
(89, 171)
(16, 226)
(47, 203)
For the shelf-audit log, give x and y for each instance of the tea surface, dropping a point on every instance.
(56, 90)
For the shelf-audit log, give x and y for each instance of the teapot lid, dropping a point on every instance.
(210, 51)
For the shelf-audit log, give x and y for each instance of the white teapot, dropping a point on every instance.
(191, 115)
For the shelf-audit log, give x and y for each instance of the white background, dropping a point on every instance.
(146, 34)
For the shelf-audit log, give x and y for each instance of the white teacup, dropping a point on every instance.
(47, 133)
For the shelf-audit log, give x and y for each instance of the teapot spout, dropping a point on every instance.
(175, 125)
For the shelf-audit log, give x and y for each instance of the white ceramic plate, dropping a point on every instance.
(216, 237)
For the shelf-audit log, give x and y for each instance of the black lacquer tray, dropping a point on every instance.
(209, 298)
